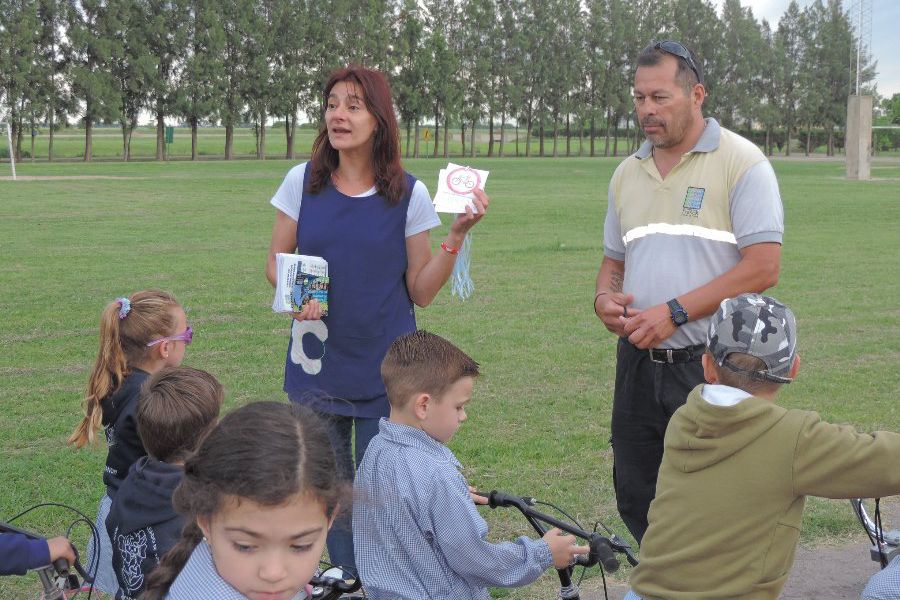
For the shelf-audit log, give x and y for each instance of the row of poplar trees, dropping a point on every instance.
(555, 69)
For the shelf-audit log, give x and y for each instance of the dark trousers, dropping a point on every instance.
(647, 394)
(340, 537)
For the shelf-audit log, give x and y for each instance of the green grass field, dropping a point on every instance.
(539, 423)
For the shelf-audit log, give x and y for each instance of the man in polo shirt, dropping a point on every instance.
(694, 217)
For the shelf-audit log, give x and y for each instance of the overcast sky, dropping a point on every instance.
(885, 17)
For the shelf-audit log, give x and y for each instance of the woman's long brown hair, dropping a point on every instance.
(390, 180)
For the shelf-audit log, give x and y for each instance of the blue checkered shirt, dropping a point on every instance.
(884, 585)
(416, 531)
(199, 580)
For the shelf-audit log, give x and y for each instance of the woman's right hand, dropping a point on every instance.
(311, 312)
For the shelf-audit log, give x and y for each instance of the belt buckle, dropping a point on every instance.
(668, 360)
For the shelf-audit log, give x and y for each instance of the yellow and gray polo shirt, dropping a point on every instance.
(678, 233)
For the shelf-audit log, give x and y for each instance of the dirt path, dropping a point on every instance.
(832, 572)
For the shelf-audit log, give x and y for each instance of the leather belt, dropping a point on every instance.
(674, 356)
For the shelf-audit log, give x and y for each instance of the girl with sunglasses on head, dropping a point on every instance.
(139, 335)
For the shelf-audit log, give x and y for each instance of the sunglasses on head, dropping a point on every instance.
(185, 336)
(676, 49)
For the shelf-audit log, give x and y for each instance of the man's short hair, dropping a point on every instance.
(685, 76)
(177, 407)
(423, 363)
(753, 339)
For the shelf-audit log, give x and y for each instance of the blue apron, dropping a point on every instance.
(334, 365)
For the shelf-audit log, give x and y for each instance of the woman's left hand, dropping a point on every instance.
(465, 221)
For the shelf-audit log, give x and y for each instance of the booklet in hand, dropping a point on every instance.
(299, 279)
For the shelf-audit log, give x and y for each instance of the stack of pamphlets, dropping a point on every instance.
(299, 279)
(455, 185)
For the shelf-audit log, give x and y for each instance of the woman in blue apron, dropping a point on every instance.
(355, 206)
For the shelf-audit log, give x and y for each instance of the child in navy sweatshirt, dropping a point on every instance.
(176, 408)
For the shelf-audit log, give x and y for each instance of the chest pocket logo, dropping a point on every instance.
(310, 366)
(693, 202)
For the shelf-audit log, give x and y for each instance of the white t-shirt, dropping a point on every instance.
(420, 216)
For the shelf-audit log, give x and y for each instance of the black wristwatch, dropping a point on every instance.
(679, 315)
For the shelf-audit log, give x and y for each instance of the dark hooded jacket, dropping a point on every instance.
(142, 524)
(120, 424)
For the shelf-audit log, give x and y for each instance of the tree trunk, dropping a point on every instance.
(446, 137)
(261, 145)
(615, 128)
(568, 135)
(541, 138)
(229, 141)
(408, 137)
(555, 136)
(593, 132)
(50, 143)
(502, 132)
(290, 126)
(608, 125)
(472, 145)
(160, 136)
(462, 136)
(528, 127)
(808, 137)
(517, 138)
(768, 141)
(491, 135)
(830, 150)
(434, 152)
(88, 140)
(581, 137)
(787, 146)
(194, 121)
(124, 142)
(416, 142)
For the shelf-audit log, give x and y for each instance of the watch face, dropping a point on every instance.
(679, 317)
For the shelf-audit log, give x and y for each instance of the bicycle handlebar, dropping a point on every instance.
(603, 549)
(333, 583)
(57, 576)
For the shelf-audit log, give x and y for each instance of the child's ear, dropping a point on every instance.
(709, 368)
(203, 524)
(420, 405)
(160, 351)
(795, 366)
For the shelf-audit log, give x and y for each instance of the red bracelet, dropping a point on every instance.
(447, 248)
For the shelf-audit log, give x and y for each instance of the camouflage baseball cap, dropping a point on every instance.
(757, 325)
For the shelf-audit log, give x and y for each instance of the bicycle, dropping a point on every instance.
(602, 548)
(885, 545)
(57, 579)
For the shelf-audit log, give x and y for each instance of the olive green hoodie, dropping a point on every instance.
(729, 499)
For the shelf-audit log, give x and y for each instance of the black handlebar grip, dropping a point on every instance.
(62, 566)
(603, 553)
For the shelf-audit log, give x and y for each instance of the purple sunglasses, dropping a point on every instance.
(185, 336)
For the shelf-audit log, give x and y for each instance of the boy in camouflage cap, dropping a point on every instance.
(737, 467)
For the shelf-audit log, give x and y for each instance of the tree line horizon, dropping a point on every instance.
(556, 68)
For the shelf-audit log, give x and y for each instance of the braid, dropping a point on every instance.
(172, 563)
